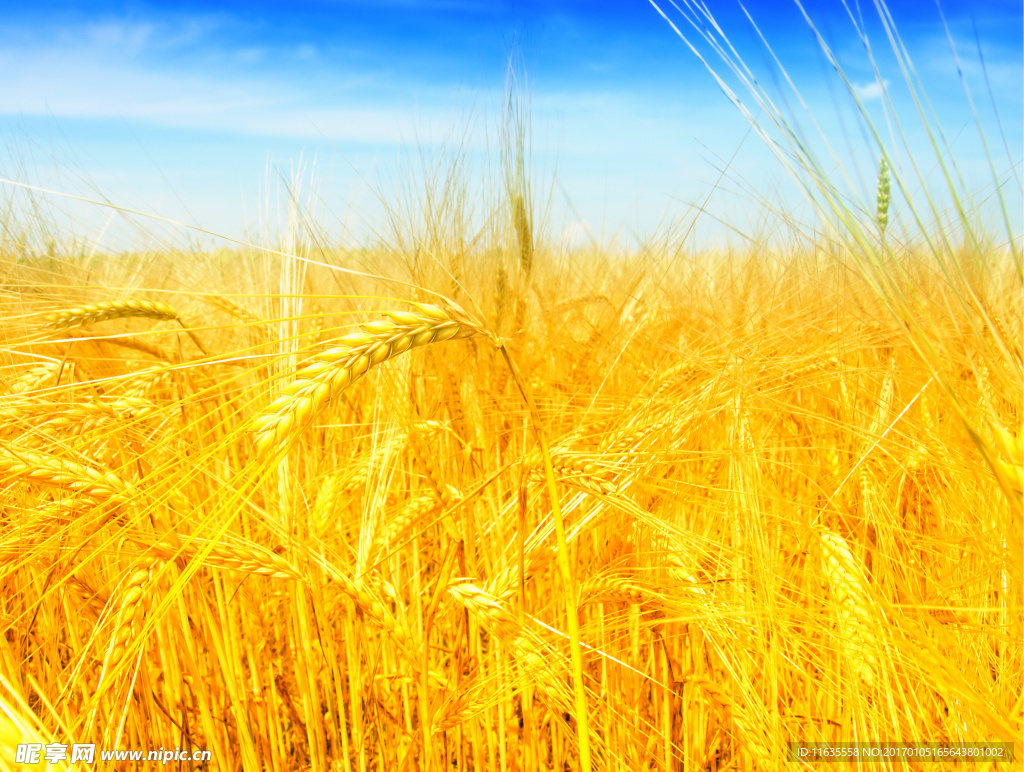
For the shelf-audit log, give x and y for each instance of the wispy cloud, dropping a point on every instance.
(872, 91)
(107, 84)
(131, 38)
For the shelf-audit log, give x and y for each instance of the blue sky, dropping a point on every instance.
(195, 110)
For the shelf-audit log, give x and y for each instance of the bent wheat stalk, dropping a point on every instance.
(565, 568)
(332, 371)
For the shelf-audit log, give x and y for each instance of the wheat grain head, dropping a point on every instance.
(332, 371)
(91, 313)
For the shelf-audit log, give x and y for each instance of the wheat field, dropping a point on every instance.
(772, 522)
(472, 499)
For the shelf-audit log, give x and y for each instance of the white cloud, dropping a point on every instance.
(253, 55)
(129, 37)
(872, 90)
(85, 83)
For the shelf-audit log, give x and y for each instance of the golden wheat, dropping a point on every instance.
(111, 309)
(42, 376)
(856, 616)
(132, 605)
(883, 196)
(76, 418)
(330, 372)
(91, 601)
(414, 511)
(542, 667)
(734, 714)
(617, 589)
(457, 708)
(20, 463)
(490, 611)
(574, 469)
(246, 558)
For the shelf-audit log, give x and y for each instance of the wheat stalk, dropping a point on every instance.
(727, 708)
(332, 371)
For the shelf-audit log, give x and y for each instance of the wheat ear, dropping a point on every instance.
(501, 293)
(74, 418)
(488, 610)
(52, 470)
(455, 710)
(133, 604)
(245, 557)
(884, 196)
(617, 589)
(110, 309)
(79, 316)
(92, 601)
(332, 371)
(128, 342)
(849, 589)
(1010, 468)
(523, 233)
(573, 469)
(41, 376)
(413, 511)
(526, 649)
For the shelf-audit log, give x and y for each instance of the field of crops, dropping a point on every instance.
(237, 517)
